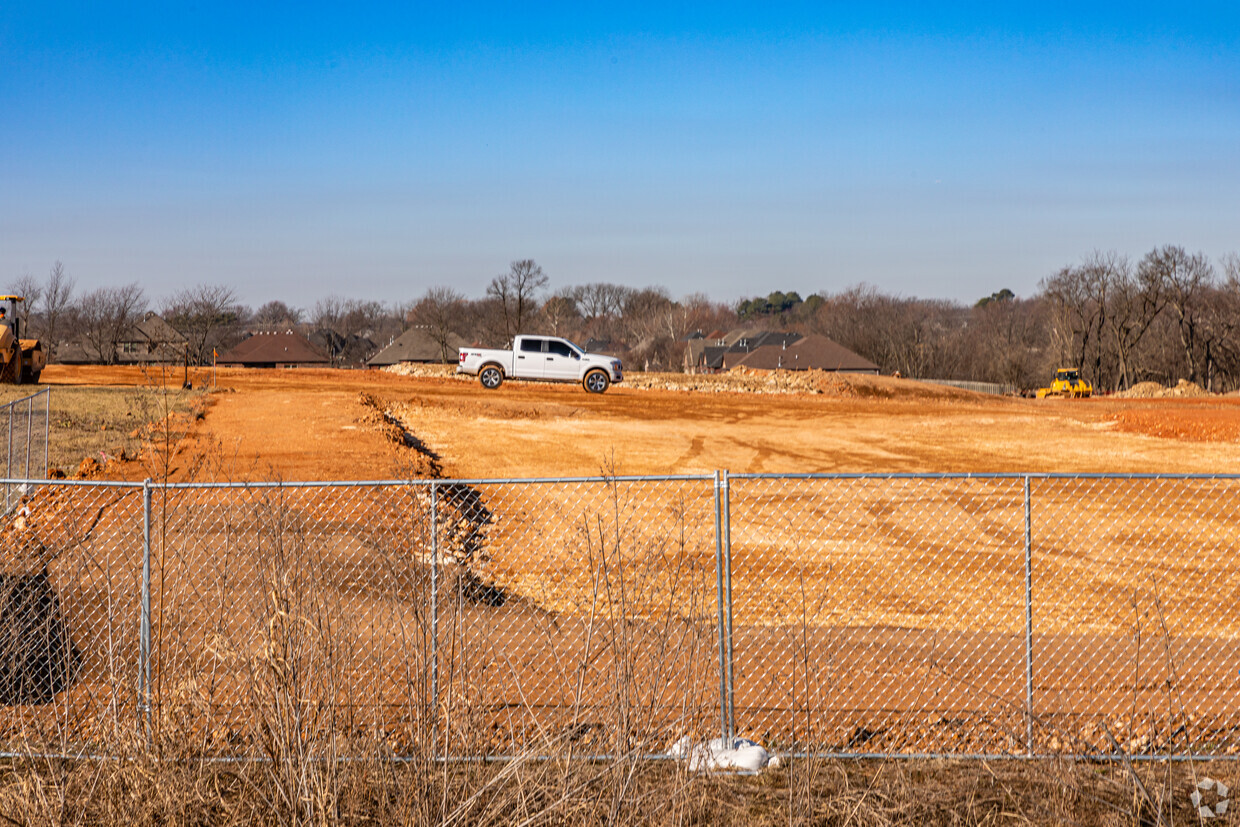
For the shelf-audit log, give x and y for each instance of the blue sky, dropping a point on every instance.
(296, 151)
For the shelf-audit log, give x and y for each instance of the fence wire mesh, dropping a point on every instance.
(879, 615)
(959, 615)
(24, 442)
(70, 596)
(1136, 615)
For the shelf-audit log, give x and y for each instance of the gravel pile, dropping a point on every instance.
(440, 371)
(741, 380)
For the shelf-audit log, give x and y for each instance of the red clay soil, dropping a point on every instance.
(316, 424)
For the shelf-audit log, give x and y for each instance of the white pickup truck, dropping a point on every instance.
(542, 358)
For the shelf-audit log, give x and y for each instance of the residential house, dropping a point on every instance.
(800, 353)
(770, 350)
(417, 345)
(286, 349)
(151, 341)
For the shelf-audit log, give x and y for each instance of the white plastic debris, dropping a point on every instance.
(1220, 792)
(735, 755)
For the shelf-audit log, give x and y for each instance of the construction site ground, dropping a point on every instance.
(295, 425)
(314, 425)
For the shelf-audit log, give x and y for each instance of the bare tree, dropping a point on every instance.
(106, 314)
(441, 311)
(1136, 299)
(601, 299)
(204, 315)
(1005, 335)
(347, 328)
(57, 305)
(29, 288)
(278, 314)
(1231, 267)
(1077, 297)
(1185, 279)
(560, 311)
(648, 318)
(517, 294)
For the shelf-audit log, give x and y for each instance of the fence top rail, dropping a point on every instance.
(267, 484)
(436, 482)
(45, 482)
(1012, 475)
(36, 394)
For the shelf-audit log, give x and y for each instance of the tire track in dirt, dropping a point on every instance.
(695, 451)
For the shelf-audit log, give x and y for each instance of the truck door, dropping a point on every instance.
(562, 361)
(528, 361)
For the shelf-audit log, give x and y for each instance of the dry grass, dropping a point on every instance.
(103, 422)
(146, 790)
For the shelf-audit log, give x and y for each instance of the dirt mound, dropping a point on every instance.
(1142, 390)
(743, 380)
(428, 370)
(1153, 390)
(813, 382)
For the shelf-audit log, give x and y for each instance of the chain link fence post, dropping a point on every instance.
(1028, 618)
(29, 433)
(8, 473)
(434, 619)
(727, 587)
(47, 430)
(719, 615)
(144, 632)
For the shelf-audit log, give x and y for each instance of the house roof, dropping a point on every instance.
(274, 348)
(750, 341)
(154, 329)
(416, 345)
(347, 350)
(707, 352)
(712, 357)
(811, 351)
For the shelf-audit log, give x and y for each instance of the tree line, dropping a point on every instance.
(1169, 315)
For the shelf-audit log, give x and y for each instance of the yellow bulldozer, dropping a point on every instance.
(21, 360)
(1068, 384)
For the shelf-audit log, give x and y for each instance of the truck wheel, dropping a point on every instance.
(491, 377)
(597, 381)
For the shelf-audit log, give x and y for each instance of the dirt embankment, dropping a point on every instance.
(1152, 390)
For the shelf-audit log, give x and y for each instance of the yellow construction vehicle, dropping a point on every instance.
(21, 360)
(1068, 384)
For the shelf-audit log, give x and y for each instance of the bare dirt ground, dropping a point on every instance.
(310, 425)
(325, 425)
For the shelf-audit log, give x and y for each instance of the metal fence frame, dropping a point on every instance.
(21, 468)
(723, 484)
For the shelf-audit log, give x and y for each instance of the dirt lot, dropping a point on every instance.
(916, 590)
(310, 425)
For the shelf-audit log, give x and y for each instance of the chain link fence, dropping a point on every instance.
(967, 615)
(25, 441)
